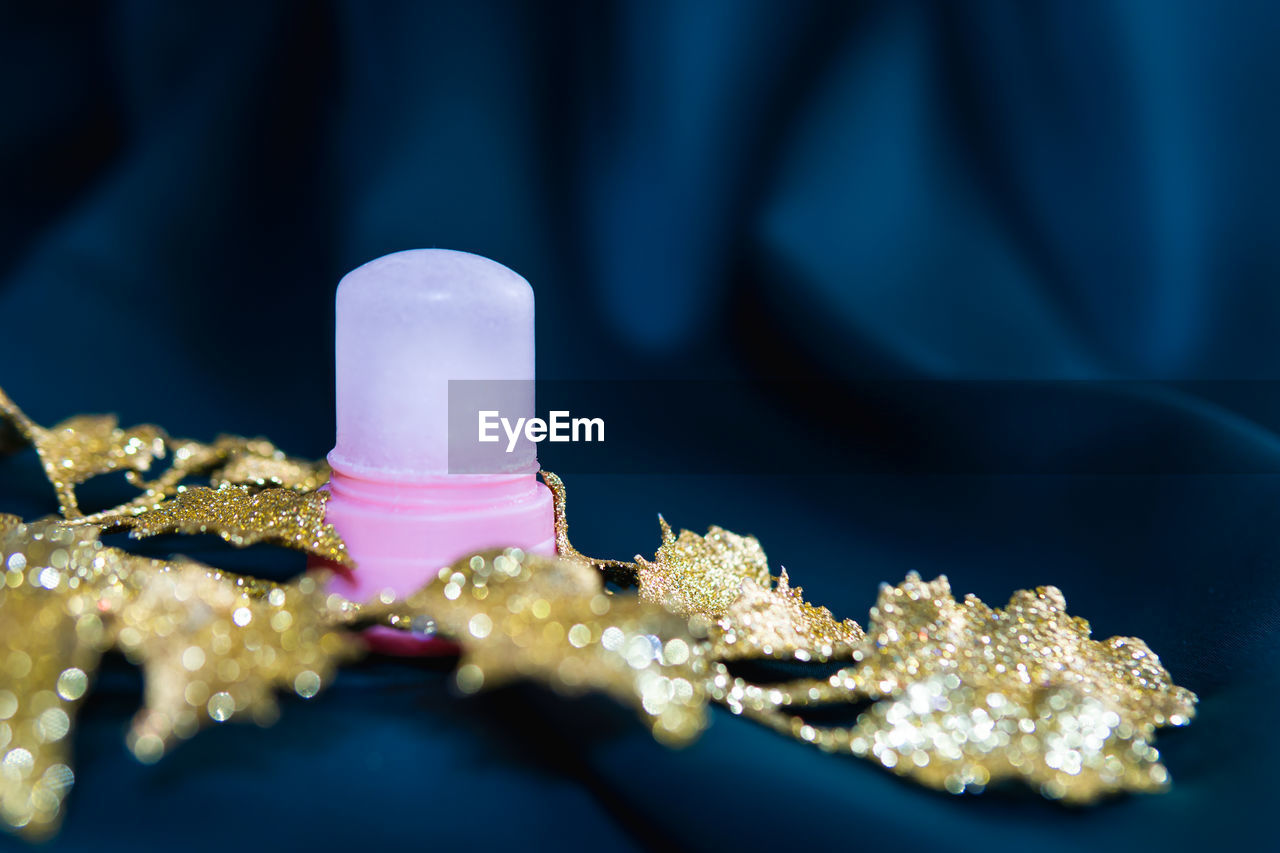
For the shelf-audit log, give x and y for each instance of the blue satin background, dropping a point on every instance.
(942, 190)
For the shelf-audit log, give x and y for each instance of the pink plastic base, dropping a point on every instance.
(401, 533)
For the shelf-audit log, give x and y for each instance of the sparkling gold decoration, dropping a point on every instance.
(776, 621)
(523, 616)
(962, 695)
(225, 658)
(242, 517)
(702, 575)
(88, 445)
(1032, 643)
(213, 647)
(965, 694)
(257, 462)
(49, 648)
(972, 695)
(620, 572)
(230, 459)
(722, 580)
(83, 447)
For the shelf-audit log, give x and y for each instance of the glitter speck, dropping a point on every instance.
(307, 684)
(221, 707)
(72, 683)
(470, 678)
(480, 626)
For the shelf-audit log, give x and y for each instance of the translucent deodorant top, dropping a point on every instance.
(407, 323)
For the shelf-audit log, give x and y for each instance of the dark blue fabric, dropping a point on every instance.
(1077, 190)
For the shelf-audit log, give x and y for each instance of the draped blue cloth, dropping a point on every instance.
(1081, 190)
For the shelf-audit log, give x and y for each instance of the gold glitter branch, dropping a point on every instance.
(83, 447)
(722, 581)
(962, 695)
(245, 517)
(86, 446)
(228, 662)
(522, 616)
(213, 647)
(724, 578)
(970, 695)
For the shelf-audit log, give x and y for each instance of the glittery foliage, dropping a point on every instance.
(83, 447)
(225, 658)
(49, 648)
(519, 615)
(961, 695)
(212, 647)
(970, 695)
(243, 516)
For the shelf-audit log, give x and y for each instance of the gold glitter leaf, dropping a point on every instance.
(213, 647)
(918, 629)
(520, 616)
(778, 622)
(228, 460)
(242, 517)
(1066, 743)
(51, 641)
(701, 575)
(85, 446)
(35, 773)
(962, 695)
(257, 462)
(724, 578)
(970, 695)
(213, 650)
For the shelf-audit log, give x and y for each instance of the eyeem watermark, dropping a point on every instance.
(561, 427)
